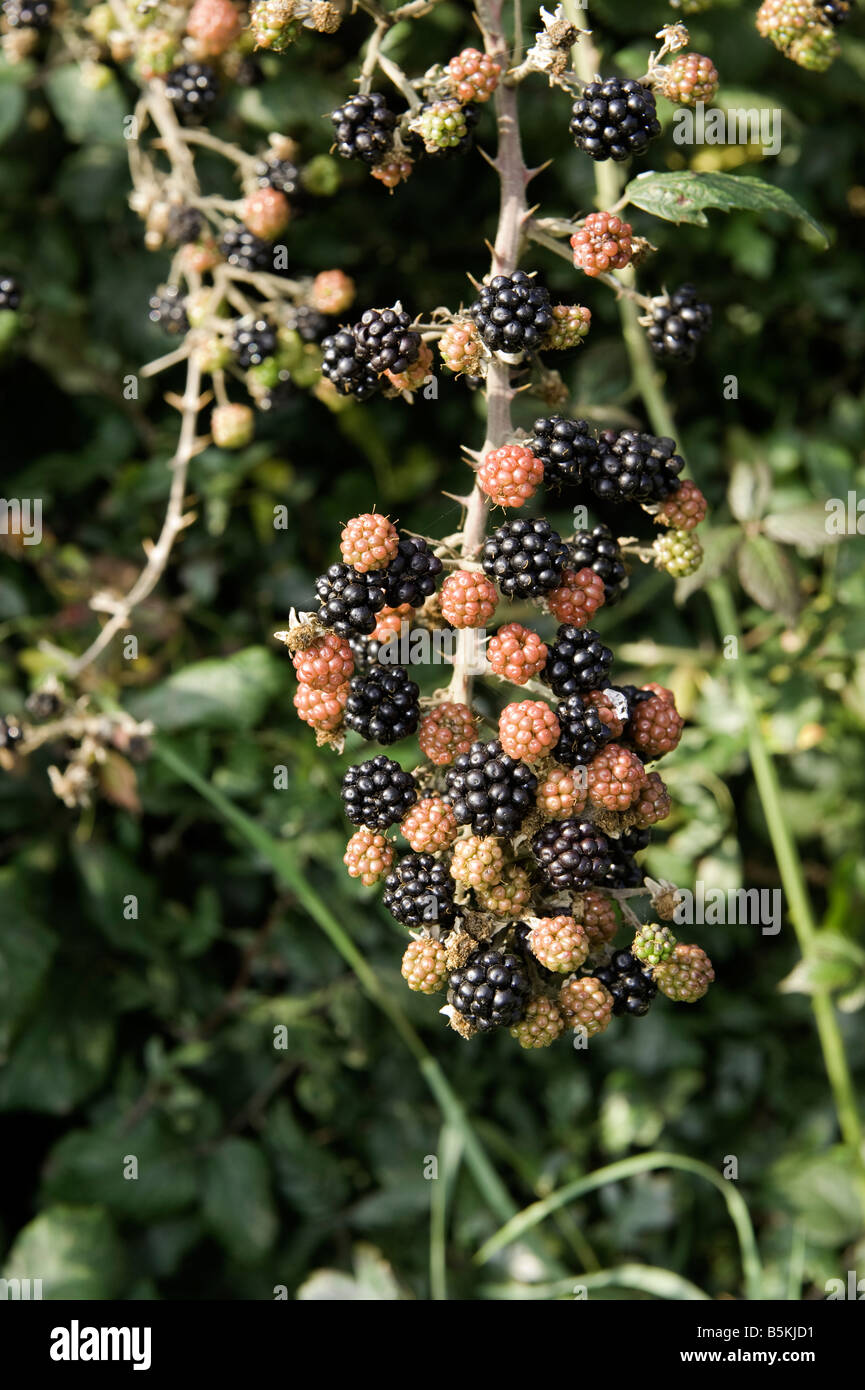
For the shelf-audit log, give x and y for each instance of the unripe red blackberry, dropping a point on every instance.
(424, 966)
(541, 1024)
(510, 896)
(327, 664)
(653, 945)
(602, 704)
(369, 542)
(461, 348)
(578, 597)
(468, 599)
(586, 1003)
(477, 860)
(447, 731)
(683, 509)
(516, 653)
(265, 212)
(686, 976)
(232, 426)
(562, 794)
(368, 856)
(652, 688)
(616, 777)
(678, 552)
(392, 171)
(389, 621)
(528, 730)
(598, 916)
(559, 943)
(323, 710)
(510, 475)
(656, 727)
(474, 75)
(214, 24)
(332, 291)
(430, 825)
(571, 324)
(602, 243)
(690, 78)
(653, 804)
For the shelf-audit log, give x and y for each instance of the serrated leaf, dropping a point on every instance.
(749, 489)
(804, 526)
(719, 546)
(683, 196)
(767, 577)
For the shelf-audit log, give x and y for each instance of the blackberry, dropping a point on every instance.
(168, 309)
(243, 249)
(572, 854)
(489, 790)
(678, 324)
(385, 340)
(364, 128)
(634, 839)
(342, 366)
(576, 661)
(624, 871)
(598, 550)
(632, 987)
(383, 707)
(192, 90)
(512, 313)
(253, 341)
(28, 14)
(524, 558)
(492, 989)
(185, 224)
(583, 733)
(471, 116)
(411, 575)
(836, 12)
(633, 697)
(564, 447)
(377, 793)
(283, 394)
(349, 600)
(420, 892)
(308, 323)
(614, 119)
(365, 651)
(10, 292)
(634, 467)
(43, 704)
(281, 174)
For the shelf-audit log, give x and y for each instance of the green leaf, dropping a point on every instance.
(767, 577)
(749, 489)
(822, 1190)
(89, 1166)
(13, 100)
(804, 526)
(230, 693)
(60, 1056)
(73, 1250)
(683, 196)
(87, 116)
(110, 878)
(834, 962)
(26, 948)
(238, 1203)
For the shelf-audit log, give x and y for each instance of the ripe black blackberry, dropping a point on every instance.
(614, 119)
(678, 324)
(420, 892)
(489, 790)
(192, 90)
(281, 174)
(10, 292)
(576, 661)
(624, 871)
(412, 573)
(349, 600)
(583, 732)
(364, 128)
(564, 447)
(377, 793)
(253, 340)
(28, 14)
(635, 467)
(168, 309)
(43, 704)
(635, 839)
(308, 322)
(185, 224)
(837, 12)
(341, 365)
(365, 651)
(10, 732)
(632, 987)
(633, 697)
(572, 854)
(384, 706)
(524, 558)
(599, 550)
(385, 340)
(492, 989)
(241, 248)
(512, 312)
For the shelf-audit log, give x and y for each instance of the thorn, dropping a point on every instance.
(533, 173)
(493, 163)
(463, 501)
(476, 283)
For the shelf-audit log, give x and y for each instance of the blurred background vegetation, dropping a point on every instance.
(153, 1037)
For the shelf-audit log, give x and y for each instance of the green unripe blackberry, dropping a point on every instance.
(653, 944)
(678, 552)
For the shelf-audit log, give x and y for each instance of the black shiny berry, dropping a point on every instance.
(492, 989)
(634, 467)
(513, 312)
(168, 309)
(192, 90)
(28, 14)
(384, 706)
(489, 790)
(253, 341)
(281, 174)
(583, 732)
(377, 793)
(386, 341)
(241, 248)
(524, 558)
(10, 292)
(349, 600)
(614, 119)
(364, 128)
(599, 550)
(185, 224)
(564, 447)
(631, 986)
(412, 574)
(678, 324)
(573, 854)
(420, 892)
(345, 368)
(576, 661)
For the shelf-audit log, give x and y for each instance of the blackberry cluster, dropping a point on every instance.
(583, 732)
(489, 790)
(678, 324)
(614, 119)
(185, 224)
(564, 447)
(241, 248)
(10, 294)
(513, 313)
(599, 550)
(524, 558)
(411, 575)
(420, 892)
(168, 309)
(632, 987)
(385, 340)
(343, 365)
(492, 989)
(28, 14)
(377, 793)
(576, 661)
(364, 128)
(253, 341)
(383, 707)
(281, 174)
(192, 89)
(634, 467)
(573, 854)
(349, 600)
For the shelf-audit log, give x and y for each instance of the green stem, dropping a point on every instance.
(660, 1283)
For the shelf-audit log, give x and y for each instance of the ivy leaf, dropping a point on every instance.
(767, 577)
(805, 526)
(683, 196)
